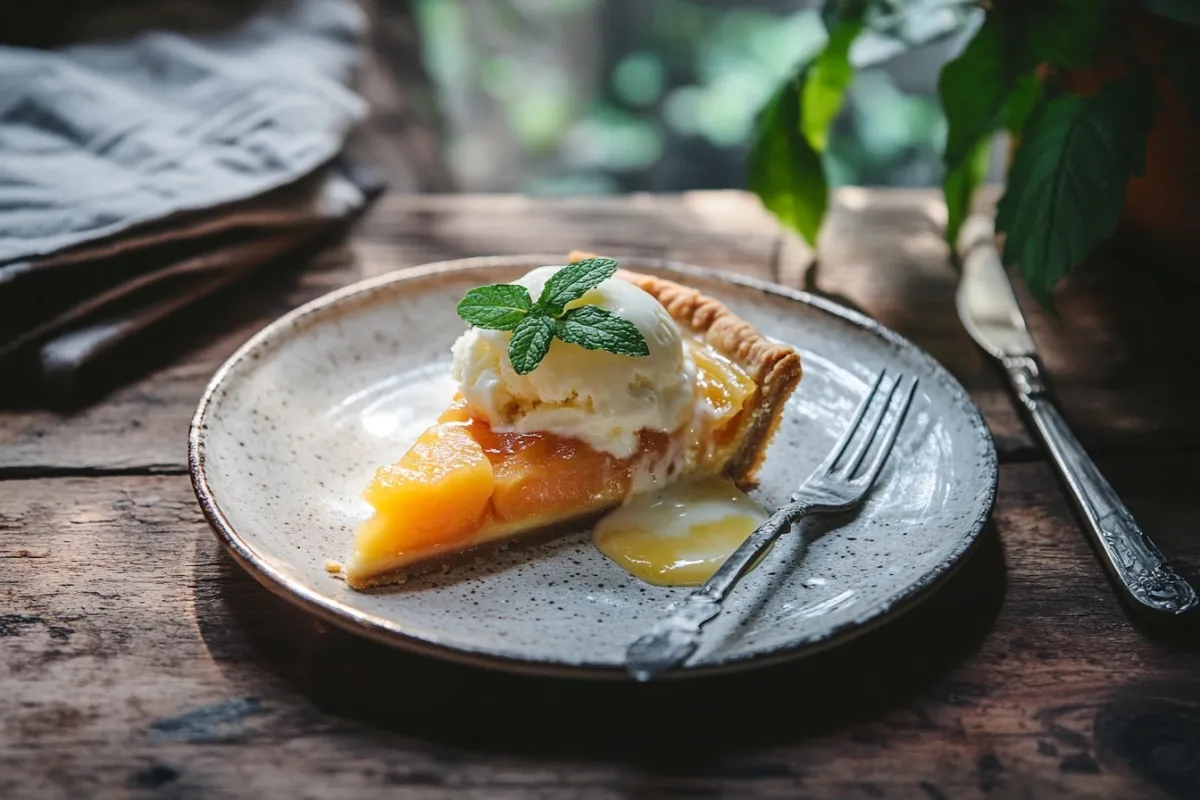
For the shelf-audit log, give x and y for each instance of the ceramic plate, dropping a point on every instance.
(293, 426)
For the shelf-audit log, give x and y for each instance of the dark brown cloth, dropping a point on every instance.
(63, 328)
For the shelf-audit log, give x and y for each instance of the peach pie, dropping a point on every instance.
(564, 410)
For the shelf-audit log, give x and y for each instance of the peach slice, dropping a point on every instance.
(457, 411)
(722, 383)
(437, 493)
(552, 476)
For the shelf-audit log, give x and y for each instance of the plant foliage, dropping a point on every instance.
(1074, 154)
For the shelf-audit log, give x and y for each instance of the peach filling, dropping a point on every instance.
(461, 477)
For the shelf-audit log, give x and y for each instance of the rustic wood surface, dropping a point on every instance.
(137, 660)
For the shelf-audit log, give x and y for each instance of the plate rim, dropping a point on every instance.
(387, 632)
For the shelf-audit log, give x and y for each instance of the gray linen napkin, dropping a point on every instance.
(140, 175)
(101, 137)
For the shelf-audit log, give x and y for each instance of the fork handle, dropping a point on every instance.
(1140, 569)
(675, 637)
(743, 558)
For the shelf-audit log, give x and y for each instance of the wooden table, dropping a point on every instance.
(137, 660)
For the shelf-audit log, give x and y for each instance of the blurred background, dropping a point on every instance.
(609, 96)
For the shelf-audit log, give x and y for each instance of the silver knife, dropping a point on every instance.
(988, 309)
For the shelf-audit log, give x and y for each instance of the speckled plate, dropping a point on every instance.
(293, 426)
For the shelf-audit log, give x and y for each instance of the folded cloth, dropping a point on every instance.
(34, 294)
(71, 353)
(98, 138)
(141, 175)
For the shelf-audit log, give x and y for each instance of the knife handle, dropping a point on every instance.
(1126, 551)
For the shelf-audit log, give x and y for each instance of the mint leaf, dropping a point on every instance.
(1069, 33)
(1025, 95)
(530, 342)
(597, 329)
(785, 171)
(499, 307)
(960, 184)
(826, 82)
(1066, 186)
(573, 282)
(973, 89)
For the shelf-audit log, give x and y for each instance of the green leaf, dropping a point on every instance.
(974, 89)
(825, 85)
(1026, 94)
(530, 343)
(1069, 33)
(1183, 70)
(597, 329)
(1067, 182)
(573, 282)
(960, 184)
(785, 171)
(499, 307)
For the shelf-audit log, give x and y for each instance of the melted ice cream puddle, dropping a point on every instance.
(680, 535)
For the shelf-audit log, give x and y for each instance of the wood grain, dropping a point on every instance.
(136, 660)
(139, 660)
(1124, 357)
(889, 264)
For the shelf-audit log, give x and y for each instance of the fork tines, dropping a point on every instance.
(888, 411)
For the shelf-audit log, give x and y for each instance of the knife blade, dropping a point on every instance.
(989, 311)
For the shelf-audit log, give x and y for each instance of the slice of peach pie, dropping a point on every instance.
(579, 387)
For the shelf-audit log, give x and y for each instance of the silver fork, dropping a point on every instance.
(831, 488)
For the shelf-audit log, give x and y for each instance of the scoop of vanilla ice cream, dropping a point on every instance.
(593, 395)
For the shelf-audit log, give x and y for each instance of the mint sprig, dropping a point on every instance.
(508, 307)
